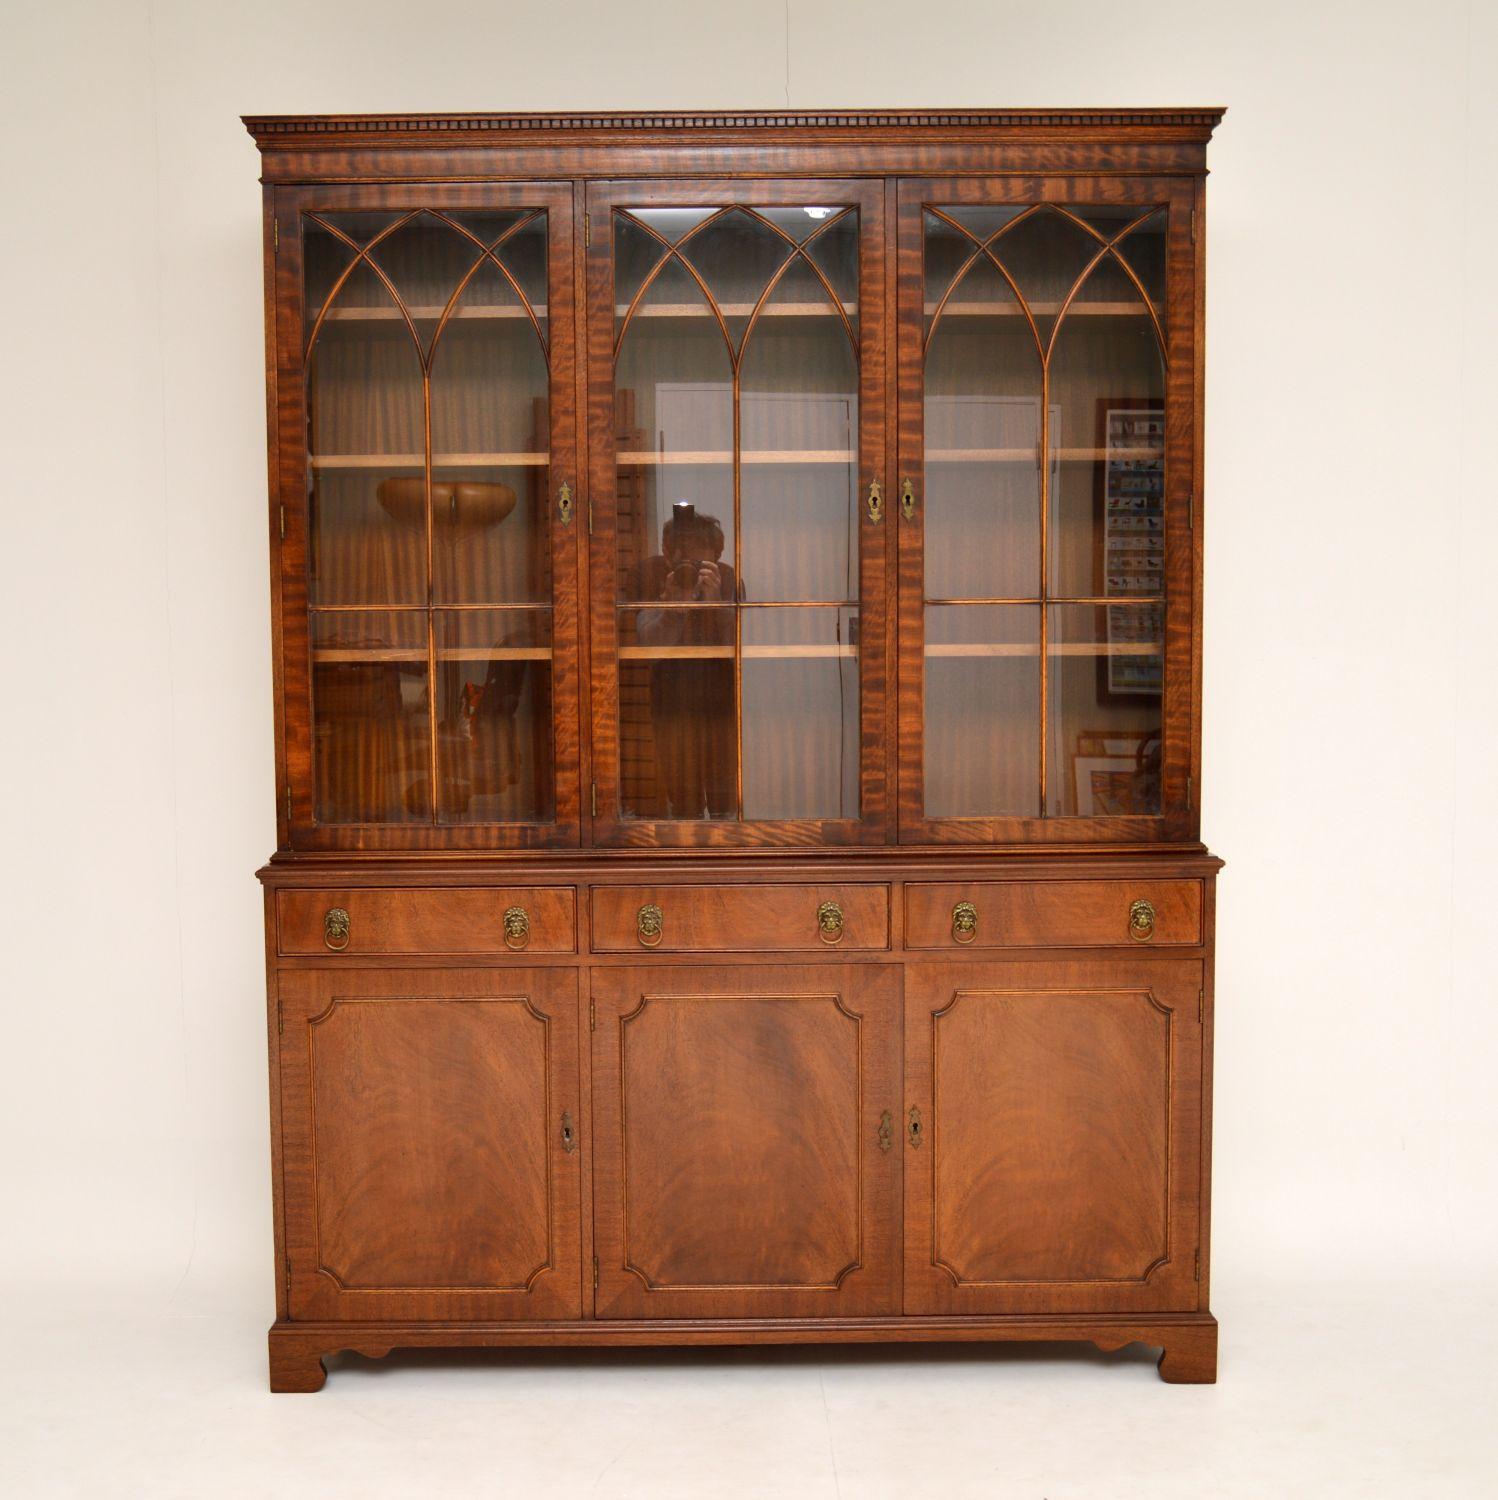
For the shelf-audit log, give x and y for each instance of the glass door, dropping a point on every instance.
(428, 451)
(1046, 455)
(739, 527)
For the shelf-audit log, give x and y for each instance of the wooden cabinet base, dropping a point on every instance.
(1187, 1341)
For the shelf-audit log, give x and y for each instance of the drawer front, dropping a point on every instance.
(1054, 914)
(455, 921)
(740, 918)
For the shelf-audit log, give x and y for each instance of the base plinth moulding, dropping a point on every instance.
(1187, 1341)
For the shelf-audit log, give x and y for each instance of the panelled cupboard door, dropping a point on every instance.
(739, 526)
(428, 531)
(431, 1131)
(1052, 1140)
(1048, 443)
(745, 1124)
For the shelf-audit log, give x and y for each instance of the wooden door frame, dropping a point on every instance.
(1179, 819)
(1170, 1284)
(306, 998)
(876, 543)
(290, 541)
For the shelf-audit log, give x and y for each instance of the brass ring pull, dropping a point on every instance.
(830, 922)
(650, 925)
(335, 929)
(1141, 921)
(964, 922)
(517, 927)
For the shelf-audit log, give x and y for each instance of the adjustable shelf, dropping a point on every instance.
(725, 653)
(332, 655)
(439, 460)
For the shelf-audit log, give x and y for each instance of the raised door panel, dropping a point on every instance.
(745, 1123)
(1053, 1138)
(431, 1133)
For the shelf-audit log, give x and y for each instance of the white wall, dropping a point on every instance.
(1351, 555)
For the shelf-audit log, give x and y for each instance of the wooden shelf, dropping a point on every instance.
(332, 655)
(749, 456)
(725, 653)
(1032, 455)
(1084, 648)
(439, 460)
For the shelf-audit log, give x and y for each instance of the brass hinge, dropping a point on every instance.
(590, 517)
(593, 796)
(1191, 511)
(588, 244)
(1193, 226)
(1198, 1273)
(288, 1280)
(288, 802)
(283, 523)
(595, 1273)
(1190, 792)
(592, 1016)
(280, 1020)
(275, 234)
(1201, 1006)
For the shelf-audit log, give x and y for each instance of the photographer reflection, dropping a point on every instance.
(691, 696)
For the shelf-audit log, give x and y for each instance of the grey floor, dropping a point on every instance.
(1370, 1391)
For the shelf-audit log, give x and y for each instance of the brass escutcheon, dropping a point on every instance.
(569, 1136)
(964, 922)
(876, 501)
(913, 1128)
(564, 504)
(650, 924)
(830, 922)
(335, 929)
(1141, 921)
(907, 499)
(886, 1131)
(517, 927)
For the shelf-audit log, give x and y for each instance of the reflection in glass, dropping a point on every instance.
(677, 716)
(800, 713)
(982, 444)
(982, 710)
(1105, 709)
(494, 757)
(369, 718)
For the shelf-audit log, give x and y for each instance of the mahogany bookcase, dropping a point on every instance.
(736, 595)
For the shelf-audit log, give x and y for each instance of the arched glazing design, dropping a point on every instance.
(429, 556)
(736, 389)
(1045, 363)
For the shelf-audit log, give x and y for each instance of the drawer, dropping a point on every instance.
(455, 921)
(739, 918)
(1056, 914)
